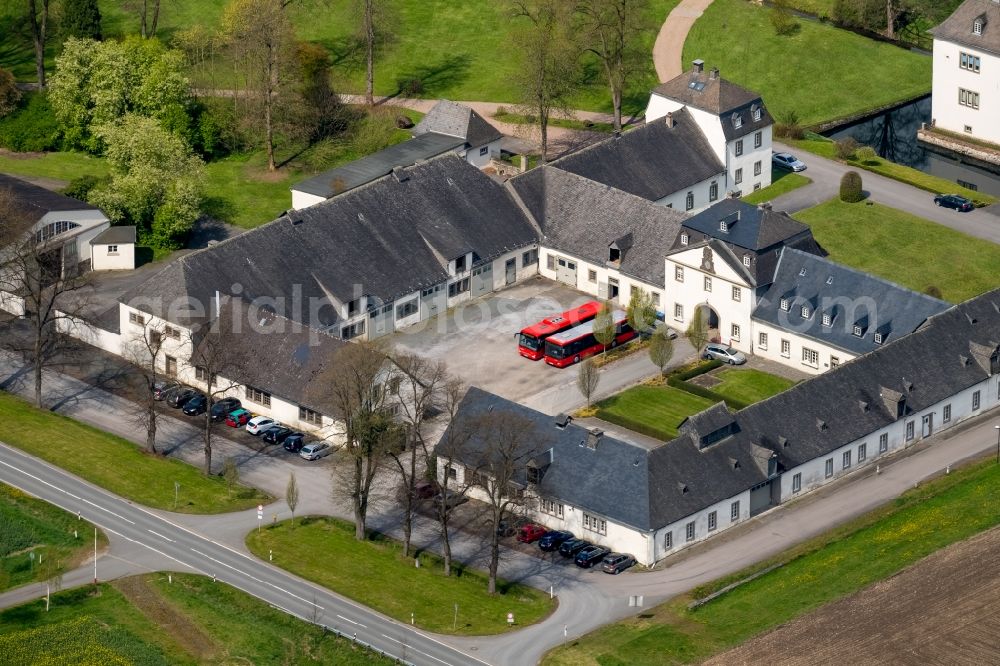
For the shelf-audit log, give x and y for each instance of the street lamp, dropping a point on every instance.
(997, 428)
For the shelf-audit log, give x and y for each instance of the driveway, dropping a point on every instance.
(668, 49)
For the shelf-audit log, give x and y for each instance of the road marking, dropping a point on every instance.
(66, 492)
(239, 571)
(347, 619)
(161, 536)
(394, 639)
(292, 594)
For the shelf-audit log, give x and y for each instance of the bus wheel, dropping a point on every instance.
(614, 343)
(576, 359)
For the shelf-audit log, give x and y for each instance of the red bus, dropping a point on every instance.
(531, 340)
(578, 343)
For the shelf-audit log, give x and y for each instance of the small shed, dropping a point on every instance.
(113, 250)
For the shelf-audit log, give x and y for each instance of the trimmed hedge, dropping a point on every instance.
(850, 187)
(679, 380)
(697, 368)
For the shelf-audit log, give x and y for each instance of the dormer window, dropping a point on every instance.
(857, 330)
(805, 312)
(460, 264)
(756, 113)
(977, 26)
(878, 338)
(785, 305)
(827, 319)
(724, 226)
(746, 260)
(737, 120)
(684, 239)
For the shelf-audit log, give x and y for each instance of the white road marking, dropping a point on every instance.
(347, 619)
(66, 492)
(292, 594)
(161, 536)
(228, 566)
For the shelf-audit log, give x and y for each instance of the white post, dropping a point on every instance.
(95, 556)
(47, 590)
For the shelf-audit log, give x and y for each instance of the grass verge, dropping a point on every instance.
(833, 565)
(189, 621)
(655, 411)
(374, 573)
(904, 248)
(100, 457)
(749, 385)
(783, 182)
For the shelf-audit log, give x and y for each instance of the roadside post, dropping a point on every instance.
(260, 516)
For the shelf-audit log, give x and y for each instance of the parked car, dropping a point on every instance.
(259, 424)
(787, 161)
(570, 547)
(178, 398)
(615, 563)
(224, 407)
(961, 204)
(426, 489)
(530, 533)
(196, 405)
(453, 499)
(238, 417)
(161, 388)
(277, 434)
(590, 556)
(552, 540)
(316, 450)
(724, 353)
(294, 442)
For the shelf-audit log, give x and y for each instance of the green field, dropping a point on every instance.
(100, 457)
(655, 411)
(905, 249)
(783, 182)
(821, 570)
(373, 572)
(748, 385)
(30, 530)
(146, 620)
(820, 72)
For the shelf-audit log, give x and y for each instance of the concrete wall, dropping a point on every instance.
(746, 161)
(473, 157)
(11, 303)
(302, 199)
(102, 259)
(678, 529)
(828, 356)
(949, 77)
(87, 332)
(701, 193)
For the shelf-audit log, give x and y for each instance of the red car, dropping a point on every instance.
(238, 418)
(530, 533)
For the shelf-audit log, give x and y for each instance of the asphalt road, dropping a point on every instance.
(191, 551)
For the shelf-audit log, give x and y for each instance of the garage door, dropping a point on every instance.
(482, 280)
(433, 301)
(566, 270)
(380, 322)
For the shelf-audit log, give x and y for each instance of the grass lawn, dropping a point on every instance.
(31, 528)
(832, 74)
(372, 572)
(749, 385)
(189, 621)
(100, 457)
(833, 565)
(905, 249)
(783, 182)
(652, 410)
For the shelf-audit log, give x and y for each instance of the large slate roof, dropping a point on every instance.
(374, 166)
(386, 240)
(457, 120)
(958, 27)
(708, 91)
(850, 296)
(583, 218)
(33, 202)
(651, 161)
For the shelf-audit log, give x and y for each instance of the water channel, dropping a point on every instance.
(893, 135)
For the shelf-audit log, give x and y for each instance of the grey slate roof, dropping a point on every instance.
(958, 29)
(708, 91)
(374, 166)
(583, 218)
(384, 240)
(850, 296)
(649, 490)
(34, 202)
(457, 120)
(115, 236)
(651, 161)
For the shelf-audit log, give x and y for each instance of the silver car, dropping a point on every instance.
(316, 451)
(788, 161)
(724, 353)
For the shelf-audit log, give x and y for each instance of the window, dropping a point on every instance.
(737, 123)
(747, 260)
(756, 168)
(883, 442)
(656, 298)
(309, 416)
(668, 540)
(485, 150)
(909, 430)
(679, 273)
(201, 373)
(758, 137)
(738, 176)
(529, 258)
(739, 147)
(785, 304)
(878, 338)
(975, 400)
(689, 201)
(724, 226)
(805, 312)
(171, 365)
(762, 340)
(735, 332)
(946, 414)
(968, 98)
(968, 130)
(456, 288)
(452, 473)
(829, 467)
(834, 362)
(137, 319)
(684, 239)
(689, 531)
(354, 330)
(969, 62)
(54, 229)
(846, 463)
(708, 284)
(756, 186)
(827, 319)
(592, 275)
(734, 511)
(737, 294)
(430, 291)
(112, 249)
(256, 395)
(595, 524)
(810, 357)
(786, 348)
(857, 330)
(406, 309)
(713, 191)
(712, 521)
(678, 312)
(797, 483)
(862, 452)
(172, 332)
(552, 508)
(756, 115)
(977, 27)
(155, 338)
(550, 262)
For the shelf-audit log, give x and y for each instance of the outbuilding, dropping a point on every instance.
(113, 249)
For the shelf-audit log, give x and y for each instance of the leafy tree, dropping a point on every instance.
(81, 18)
(587, 379)
(292, 495)
(322, 112)
(851, 188)
(661, 348)
(641, 311)
(9, 94)
(155, 181)
(604, 325)
(697, 332)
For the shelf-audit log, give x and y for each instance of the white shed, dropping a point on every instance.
(113, 249)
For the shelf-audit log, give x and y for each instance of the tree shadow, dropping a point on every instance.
(430, 80)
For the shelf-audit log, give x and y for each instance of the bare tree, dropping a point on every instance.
(292, 495)
(610, 30)
(548, 69)
(454, 441)
(143, 351)
(661, 348)
(370, 14)
(212, 357)
(148, 12)
(231, 473)
(697, 331)
(38, 19)
(587, 379)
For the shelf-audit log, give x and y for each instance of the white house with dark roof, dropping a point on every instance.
(734, 120)
(481, 140)
(966, 80)
(113, 249)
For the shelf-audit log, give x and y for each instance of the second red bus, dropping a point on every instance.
(578, 343)
(531, 340)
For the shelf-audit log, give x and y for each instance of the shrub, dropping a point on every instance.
(846, 148)
(9, 94)
(850, 187)
(933, 291)
(33, 128)
(789, 127)
(782, 21)
(866, 155)
(80, 187)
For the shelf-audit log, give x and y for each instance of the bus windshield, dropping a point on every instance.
(554, 350)
(530, 342)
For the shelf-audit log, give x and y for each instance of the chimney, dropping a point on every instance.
(524, 163)
(699, 65)
(594, 438)
(764, 205)
(714, 74)
(400, 174)
(563, 420)
(670, 119)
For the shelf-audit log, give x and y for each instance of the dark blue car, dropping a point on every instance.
(553, 539)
